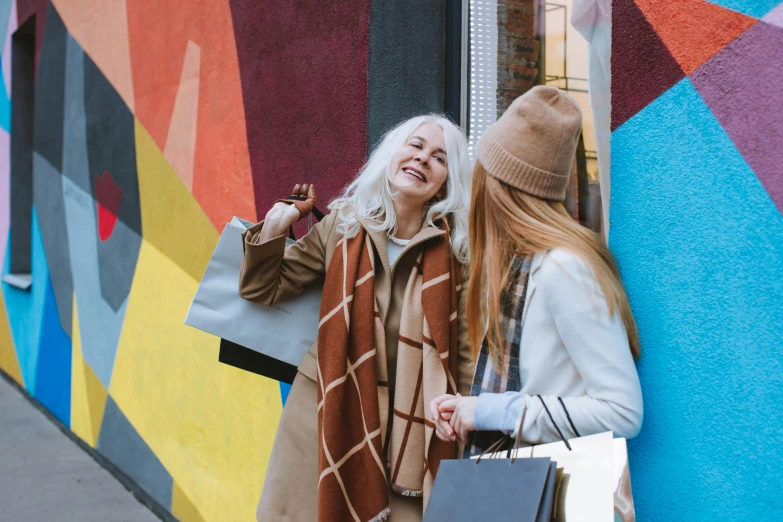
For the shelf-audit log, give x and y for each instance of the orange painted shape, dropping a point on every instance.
(101, 28)
(9, 363)
(160, 33)
(181, 141)
(694, 30)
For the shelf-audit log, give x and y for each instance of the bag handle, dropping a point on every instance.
(568, 416)
(554, 423)
(315, 212)
(518, 439)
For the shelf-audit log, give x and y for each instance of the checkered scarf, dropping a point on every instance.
(485, 378)
(353, 393)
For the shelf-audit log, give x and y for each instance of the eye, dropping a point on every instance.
(441, 159)
(416, 144)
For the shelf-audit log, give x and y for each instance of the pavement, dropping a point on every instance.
(47, 477)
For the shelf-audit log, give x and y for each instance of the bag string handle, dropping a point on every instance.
(518, 439)
(315, 212)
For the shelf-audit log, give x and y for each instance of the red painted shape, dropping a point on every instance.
(694, 30)
(304, 69)
(159, 32)
(642, 66)
(106, 222)
(109, 198)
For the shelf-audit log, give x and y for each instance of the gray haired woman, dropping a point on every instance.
(355, 441)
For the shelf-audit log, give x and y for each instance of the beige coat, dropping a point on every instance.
(270, 272)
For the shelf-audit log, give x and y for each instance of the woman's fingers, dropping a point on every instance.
(436, 408)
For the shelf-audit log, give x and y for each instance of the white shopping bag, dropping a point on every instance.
(596, 485)
(285, 332)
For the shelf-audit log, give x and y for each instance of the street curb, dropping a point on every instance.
(142, 496)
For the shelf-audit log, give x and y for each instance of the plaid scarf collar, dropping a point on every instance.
(485, 378)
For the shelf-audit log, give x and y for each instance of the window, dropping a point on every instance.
(22, 105)
(564, 64)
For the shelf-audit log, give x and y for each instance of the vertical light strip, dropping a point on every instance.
(483, 69)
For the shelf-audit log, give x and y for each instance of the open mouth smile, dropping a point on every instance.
(415, 173)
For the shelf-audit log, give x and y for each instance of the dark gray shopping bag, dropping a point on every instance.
(493, 490)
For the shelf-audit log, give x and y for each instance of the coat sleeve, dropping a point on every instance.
(272, 271)
(598, 345)
(466, 363)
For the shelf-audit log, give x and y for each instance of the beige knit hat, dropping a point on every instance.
(532, 146)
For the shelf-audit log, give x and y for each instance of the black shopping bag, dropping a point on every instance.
(493, 490)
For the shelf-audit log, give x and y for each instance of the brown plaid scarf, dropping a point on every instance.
(353, 394)
(485, 378)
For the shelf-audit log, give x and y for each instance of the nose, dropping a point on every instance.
(422, 157)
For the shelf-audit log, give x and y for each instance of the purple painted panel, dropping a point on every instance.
(775, 17)
(743, 86)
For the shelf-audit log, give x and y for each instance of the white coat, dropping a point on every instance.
(571, 348)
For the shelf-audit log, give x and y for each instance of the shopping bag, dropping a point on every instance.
(284, 332)
(596, 482)
(493, 490)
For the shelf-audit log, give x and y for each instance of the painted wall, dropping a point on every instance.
(697, 196)
(155, 123)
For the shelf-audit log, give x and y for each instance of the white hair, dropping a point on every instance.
(370, 195)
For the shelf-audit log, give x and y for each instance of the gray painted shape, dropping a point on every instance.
(49, 91)
(100, 325)
(75, 161)
(117, 257)
(407, 69)
(121, 443)
(48, 195)
(5, 15)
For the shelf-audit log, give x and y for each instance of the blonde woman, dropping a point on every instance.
(561, 339)
(352, 443)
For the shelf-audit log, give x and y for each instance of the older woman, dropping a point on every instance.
(352, 443)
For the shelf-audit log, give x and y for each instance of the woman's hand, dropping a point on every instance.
(441, 417)
(463, 410)
(282, 215)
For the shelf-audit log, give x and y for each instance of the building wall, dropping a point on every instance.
(696, 225)
(155, 123)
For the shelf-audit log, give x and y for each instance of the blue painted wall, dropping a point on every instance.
(700, 246)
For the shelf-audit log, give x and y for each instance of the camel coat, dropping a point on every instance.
(270, 272)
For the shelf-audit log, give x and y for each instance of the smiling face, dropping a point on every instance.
(420, 167)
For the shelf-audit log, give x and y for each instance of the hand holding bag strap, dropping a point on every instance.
(315, 212)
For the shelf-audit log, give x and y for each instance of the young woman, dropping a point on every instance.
(352, 443)
(560, 337)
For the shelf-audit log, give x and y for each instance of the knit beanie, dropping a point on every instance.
(532, 146)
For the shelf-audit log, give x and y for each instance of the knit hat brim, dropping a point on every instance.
(511, 170)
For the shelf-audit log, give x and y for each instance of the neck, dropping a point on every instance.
(409, 218)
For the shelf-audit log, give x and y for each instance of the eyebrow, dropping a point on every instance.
(425, 141)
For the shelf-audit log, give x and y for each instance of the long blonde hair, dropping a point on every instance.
(505, 221)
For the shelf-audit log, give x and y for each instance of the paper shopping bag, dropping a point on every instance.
(492, 490)
(284, 332)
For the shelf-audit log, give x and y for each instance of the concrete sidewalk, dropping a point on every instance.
(45, 476)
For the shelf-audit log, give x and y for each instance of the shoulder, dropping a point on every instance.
(562, 270)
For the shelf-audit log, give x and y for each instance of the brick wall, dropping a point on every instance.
(518, 49)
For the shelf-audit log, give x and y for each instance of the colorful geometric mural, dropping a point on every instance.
(142, 127)
(697, 228)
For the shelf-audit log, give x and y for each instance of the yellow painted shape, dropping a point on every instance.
(81, 424)
(88, 396)
(9, 363)
(172, 219)
(182, 508)
(211, 425)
